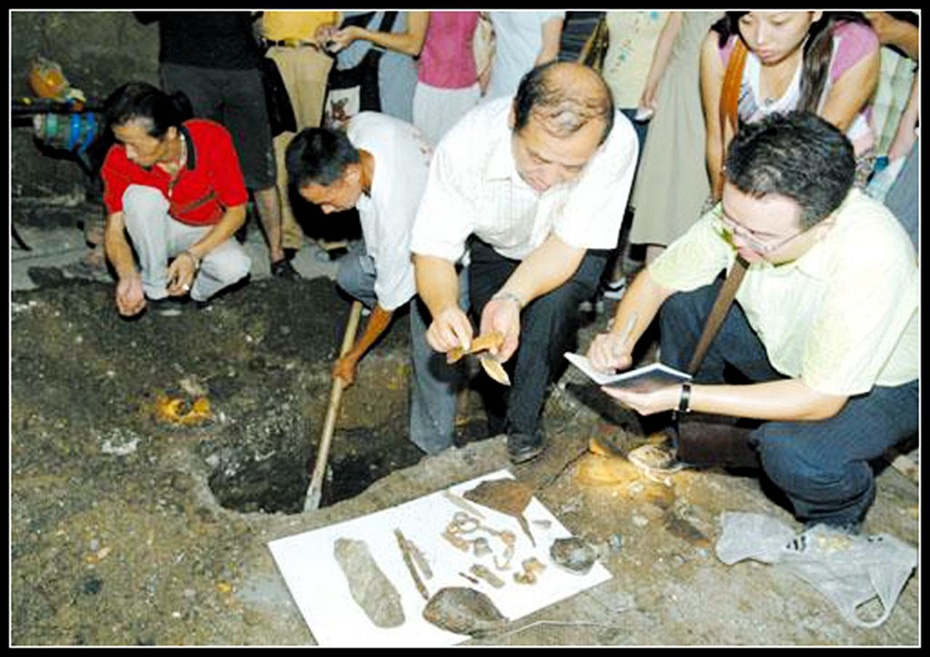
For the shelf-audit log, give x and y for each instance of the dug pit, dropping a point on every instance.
(245, 385)
(126, 529)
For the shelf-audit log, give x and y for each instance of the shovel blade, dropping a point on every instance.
(312, 501)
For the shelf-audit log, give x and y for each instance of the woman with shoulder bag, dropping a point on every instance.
(824, 62)
(398, 36)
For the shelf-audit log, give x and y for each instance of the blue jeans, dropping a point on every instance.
(821, 466)
(548, 328)
(434, 383)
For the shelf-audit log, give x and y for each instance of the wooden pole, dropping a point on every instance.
(315, 491)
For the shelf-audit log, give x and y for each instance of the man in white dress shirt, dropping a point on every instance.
(536, 186)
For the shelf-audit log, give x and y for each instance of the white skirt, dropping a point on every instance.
(436, 110)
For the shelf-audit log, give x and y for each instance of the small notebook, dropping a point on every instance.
(648, 377)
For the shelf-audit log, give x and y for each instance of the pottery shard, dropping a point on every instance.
(370, 587)
(463, 611)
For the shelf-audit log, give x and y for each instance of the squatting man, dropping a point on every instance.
(379, 166)
(176, 188)
(824, 325)
(534, 188)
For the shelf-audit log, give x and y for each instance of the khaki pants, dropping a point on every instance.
(157, 237)
(304, 70)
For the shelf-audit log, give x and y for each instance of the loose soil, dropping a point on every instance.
(129, 529)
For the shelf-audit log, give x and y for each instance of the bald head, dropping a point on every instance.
(563, 97)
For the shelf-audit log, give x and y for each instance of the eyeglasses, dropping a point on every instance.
(730, 229)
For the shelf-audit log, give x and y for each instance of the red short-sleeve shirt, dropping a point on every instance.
(210, 181)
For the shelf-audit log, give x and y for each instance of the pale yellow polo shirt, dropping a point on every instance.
(841, 318)
(279, 25)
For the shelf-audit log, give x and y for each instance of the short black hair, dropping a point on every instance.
(562, 110)
(798, 155)
(319, 156)
(143, 101)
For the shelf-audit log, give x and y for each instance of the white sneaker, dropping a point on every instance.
(615, 289)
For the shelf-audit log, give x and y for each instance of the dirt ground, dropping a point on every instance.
(129, 529)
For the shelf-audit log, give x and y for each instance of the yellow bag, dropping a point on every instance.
(47, 80)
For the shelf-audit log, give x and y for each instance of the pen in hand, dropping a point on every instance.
(627, 331)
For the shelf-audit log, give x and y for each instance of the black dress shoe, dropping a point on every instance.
(167, 306)
(285, 270)
(523, 447)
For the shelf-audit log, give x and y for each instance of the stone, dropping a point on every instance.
(463, 610)
(370, 587)
(573, 554)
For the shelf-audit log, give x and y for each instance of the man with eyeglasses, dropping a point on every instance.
(824, 325)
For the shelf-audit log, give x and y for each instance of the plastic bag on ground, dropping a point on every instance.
(849, 570)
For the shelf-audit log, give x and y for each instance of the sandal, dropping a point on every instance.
(655, 459)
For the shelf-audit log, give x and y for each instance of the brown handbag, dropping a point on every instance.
(705, 439)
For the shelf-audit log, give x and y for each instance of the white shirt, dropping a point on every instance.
(386, 215)
(518, 40)
(474, 188)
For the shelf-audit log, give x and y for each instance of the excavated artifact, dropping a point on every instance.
(464, 611)
(481, 343)
(573, 554)
(507, 496)
(370, 587)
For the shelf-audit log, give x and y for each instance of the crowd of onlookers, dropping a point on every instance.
(505, 164)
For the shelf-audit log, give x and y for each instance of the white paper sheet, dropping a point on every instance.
(321, 591)
(647, 377)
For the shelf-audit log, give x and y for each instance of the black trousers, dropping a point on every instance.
(548, 327)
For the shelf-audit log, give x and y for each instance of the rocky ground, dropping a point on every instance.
(130, 528)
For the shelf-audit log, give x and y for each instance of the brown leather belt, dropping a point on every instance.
(292, 43)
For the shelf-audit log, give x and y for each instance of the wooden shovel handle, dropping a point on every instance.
(315, 491)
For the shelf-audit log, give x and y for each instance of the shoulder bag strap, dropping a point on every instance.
(732, 81)
(729, 100)
(374, 53)
(595, 46)
(718, 311)
(361, 20)
(387, 22)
